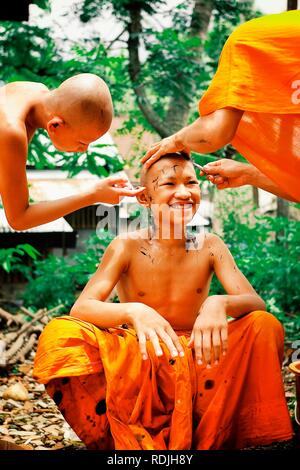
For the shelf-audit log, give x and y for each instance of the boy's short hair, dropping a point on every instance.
(177, 155)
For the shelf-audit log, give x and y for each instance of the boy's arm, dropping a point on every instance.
(90, 305)
(241, 297)
(15, 196)
(210, 332)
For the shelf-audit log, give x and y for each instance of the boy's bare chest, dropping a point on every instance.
(172, 270)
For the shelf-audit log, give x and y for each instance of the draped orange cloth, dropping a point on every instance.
(259, 72)
(115, 400)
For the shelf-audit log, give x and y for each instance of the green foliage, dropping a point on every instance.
(55, 280)
(12, 259)
(267, 251)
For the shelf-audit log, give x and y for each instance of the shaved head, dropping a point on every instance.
(145, 172)
(84, 100)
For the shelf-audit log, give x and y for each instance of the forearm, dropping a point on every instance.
(44, 212)
(237, 305)
(258, 179)
(101, 314)
(211, 132)
(197, 137)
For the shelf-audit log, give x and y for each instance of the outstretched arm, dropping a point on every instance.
(205, 135)
(225, 173)
(14, 189)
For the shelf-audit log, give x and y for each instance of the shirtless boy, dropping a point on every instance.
(181, 376)
(75, 114)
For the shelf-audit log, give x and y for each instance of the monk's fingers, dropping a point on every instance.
(212, 167)
(219, 179)
(224, 339)
(223, 185)
(175, 339)
(156, 156)
(198, 346)
(142, 345)
(129, 192)
(155, 341)
(150, 152)
(207, 346)
(216, 340)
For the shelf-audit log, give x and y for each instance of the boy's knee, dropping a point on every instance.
(265, 321)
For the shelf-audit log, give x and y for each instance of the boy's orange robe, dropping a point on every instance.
(259, 72)
(115, 400)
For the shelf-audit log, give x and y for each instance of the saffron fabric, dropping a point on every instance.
(259, 73)
(115, 400)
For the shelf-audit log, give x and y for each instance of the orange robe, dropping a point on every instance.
(259, 72)
(115, 400)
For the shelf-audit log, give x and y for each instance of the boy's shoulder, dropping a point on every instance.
(129, 239)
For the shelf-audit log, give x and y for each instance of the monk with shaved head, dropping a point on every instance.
(75, 114)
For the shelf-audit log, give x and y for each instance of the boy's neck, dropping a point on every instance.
(168, 238)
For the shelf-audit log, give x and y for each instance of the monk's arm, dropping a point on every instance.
(211, 132)
(14, 189)
(227, 173)
(241, 298)
(205, 135)
(258, 179)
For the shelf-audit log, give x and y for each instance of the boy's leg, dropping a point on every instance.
(81, 400)
(241, 402)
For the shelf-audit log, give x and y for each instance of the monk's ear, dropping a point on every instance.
(54, 124)
(143, 198)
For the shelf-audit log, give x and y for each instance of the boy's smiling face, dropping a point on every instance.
(172, 190)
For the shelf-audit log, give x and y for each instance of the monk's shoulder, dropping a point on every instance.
(12, 134)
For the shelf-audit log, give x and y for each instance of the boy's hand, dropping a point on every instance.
(112, 189)
(149, 324)
(227, 173)
(210, 331)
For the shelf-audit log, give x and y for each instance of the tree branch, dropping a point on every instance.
(134, 28)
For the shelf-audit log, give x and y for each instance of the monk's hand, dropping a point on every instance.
(209, 335)
(168, 145)
(225, 173)
(149, 324)
(112, 190)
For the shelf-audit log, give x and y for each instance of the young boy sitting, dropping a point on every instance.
(164, 369)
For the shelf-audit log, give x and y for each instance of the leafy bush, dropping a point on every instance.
(12, 259)
(55, 280)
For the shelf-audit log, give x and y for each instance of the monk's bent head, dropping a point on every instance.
(172, 189)
(81, 112)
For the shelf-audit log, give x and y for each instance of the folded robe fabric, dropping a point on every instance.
(259, 72)
(115, 400)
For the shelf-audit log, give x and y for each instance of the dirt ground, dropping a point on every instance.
(38, 423)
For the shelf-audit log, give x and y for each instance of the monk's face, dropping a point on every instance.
(172, 191)
(73, 138)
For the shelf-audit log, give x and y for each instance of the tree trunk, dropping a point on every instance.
(134, 28)
(179, 106)
(282, 208)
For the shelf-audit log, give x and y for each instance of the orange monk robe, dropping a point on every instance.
(115, 400)
(259, 72)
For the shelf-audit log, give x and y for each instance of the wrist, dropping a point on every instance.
(251, 175)
(218, 301)
(179, 140)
